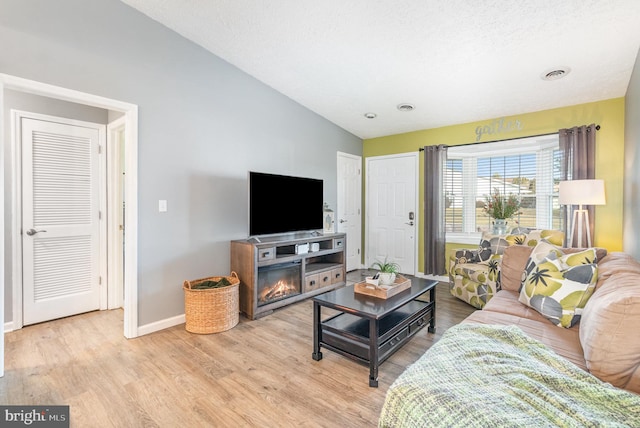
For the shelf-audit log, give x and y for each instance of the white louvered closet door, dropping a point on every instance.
(60, 220)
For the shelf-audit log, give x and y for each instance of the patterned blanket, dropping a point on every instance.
(496, 376)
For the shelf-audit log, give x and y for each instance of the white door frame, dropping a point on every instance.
(115, 295)
(131, 185)
(2, 125)
(368, 199)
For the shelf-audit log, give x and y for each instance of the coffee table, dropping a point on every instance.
(369, 329)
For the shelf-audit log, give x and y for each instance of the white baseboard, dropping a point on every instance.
(160, 325)
(8, 326)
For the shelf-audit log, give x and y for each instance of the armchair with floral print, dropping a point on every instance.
(474, 275)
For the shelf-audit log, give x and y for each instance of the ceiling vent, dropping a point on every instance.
(555, 74)
(406, 107)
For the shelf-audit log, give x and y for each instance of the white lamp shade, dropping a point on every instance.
(581, 192)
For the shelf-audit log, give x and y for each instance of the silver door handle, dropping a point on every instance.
(32, 232)
(343, 221)
(410, 223)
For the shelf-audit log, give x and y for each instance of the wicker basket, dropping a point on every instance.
(211, 310)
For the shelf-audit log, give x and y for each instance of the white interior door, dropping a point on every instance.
(60, 219)
(392, 210)
(349, 218)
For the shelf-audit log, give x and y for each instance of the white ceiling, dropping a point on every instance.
(457, 61)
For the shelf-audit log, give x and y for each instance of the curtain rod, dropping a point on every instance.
(421, 149)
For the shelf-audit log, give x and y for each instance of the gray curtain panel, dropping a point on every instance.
(578, 147)
(435, 158)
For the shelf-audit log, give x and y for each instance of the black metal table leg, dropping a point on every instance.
(432, 298)
(317, 332)
(373, 352)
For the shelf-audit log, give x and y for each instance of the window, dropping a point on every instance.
(526, 167)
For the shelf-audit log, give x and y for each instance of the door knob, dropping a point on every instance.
(410, 223)
(32, 232)
(343, 221)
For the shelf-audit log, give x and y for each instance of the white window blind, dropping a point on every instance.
(526, 167)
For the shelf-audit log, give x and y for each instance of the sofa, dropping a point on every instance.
(516, 363)
(474, 274)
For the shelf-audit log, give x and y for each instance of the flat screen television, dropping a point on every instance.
(283, 204)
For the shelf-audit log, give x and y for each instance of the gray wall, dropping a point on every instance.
(34, 104)
(202, 125)
(631, 229)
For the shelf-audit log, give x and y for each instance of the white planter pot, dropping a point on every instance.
(387, 278)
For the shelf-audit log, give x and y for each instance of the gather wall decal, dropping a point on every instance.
(498, 126)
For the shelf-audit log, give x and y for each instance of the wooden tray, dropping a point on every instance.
(383, 291)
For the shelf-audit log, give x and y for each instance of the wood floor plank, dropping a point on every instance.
(260, 373)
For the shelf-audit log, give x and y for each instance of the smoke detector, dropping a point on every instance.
(406, 107)
(370, 115)
(555, 74)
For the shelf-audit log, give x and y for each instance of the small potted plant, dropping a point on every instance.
(388, 271)
(501, 208)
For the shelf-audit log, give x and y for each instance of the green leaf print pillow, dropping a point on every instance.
(559, 285)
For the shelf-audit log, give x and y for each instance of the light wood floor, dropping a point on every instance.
(260, 373)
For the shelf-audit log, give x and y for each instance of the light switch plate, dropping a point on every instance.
(162, 205)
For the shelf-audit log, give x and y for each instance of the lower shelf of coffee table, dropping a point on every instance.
(349, 334)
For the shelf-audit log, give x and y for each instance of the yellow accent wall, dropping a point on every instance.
(609, 114)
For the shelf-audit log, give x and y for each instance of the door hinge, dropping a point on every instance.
(99, 149)
(99, 215)
(358, 250)
(99, 280)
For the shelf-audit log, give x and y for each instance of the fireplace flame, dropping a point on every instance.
(279, 290)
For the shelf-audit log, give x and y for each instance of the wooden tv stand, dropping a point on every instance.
(319, 271)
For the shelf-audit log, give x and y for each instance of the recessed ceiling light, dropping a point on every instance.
(406, 107)
(555, 74)
(370, 115)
